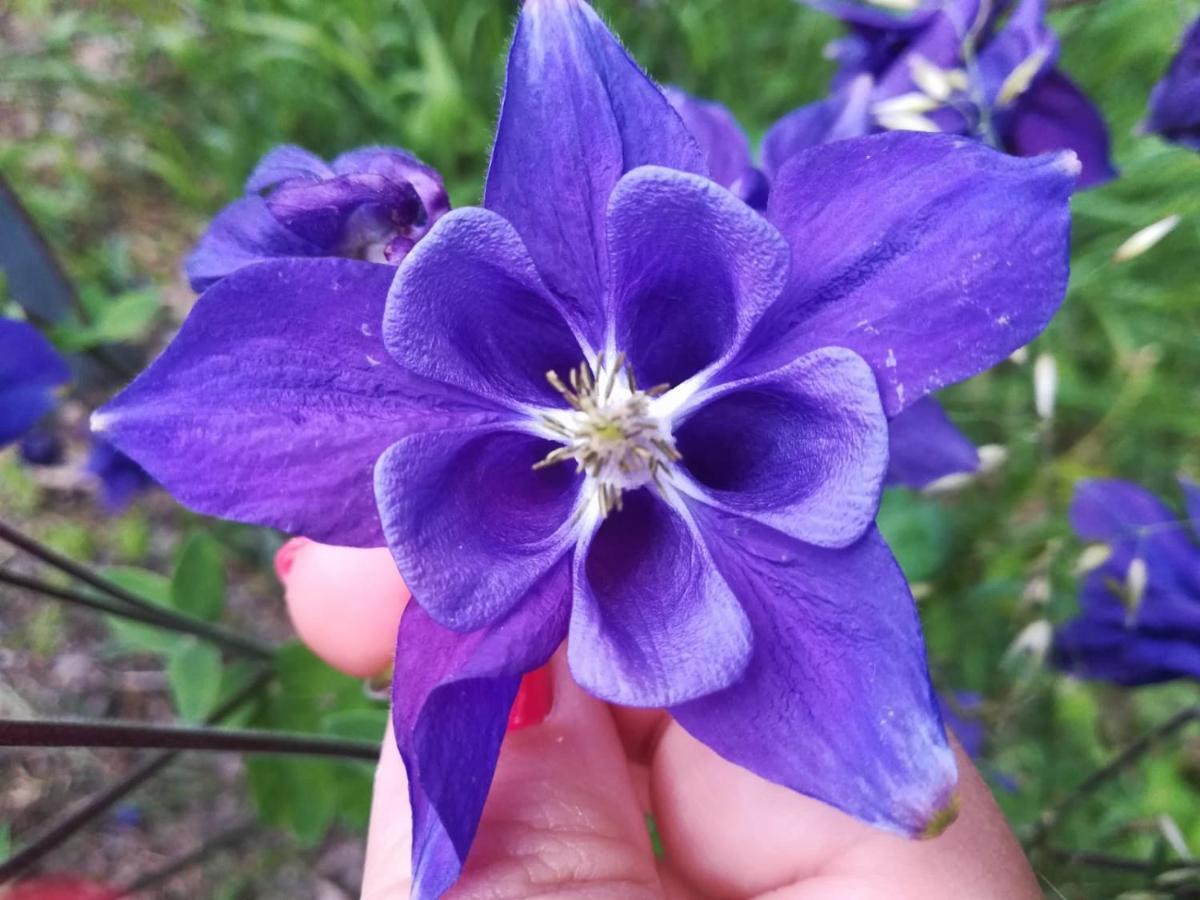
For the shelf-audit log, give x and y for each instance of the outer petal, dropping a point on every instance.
(398, 166)
(1191, 496)
(802, 449)
(692, 270)
(285, 163)
(29, 371)
(450, 707)
(1175, 101)
(244, 232)
(577, 114)
(718, 134)
(653, 623)
(836, 702)
(931, 256)
(468, 309)
(321, 212)
(1054, 114)
(276, 398)
(471, 524)
(844, 115)
(924, 445)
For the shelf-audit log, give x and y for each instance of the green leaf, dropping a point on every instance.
(917, 532)
(357, 724)
(5, 842)
(134, 637)
(126, 318)
(198, 586)
(300, 795)
(194, 676)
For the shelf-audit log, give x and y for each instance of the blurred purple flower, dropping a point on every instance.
(1175, 101)
(954, 67)
(373, 203)
(41, 446)
(1139, 620)
(30, 370)
(688, 499)
(959, 711)
(120, 479)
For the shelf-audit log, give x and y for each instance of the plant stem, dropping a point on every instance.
(116, 733)
(61, 830)
(216, 633)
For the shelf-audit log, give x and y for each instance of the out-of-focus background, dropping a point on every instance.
(125, 124)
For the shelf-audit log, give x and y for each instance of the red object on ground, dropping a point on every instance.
(534, 697)
(59, 887)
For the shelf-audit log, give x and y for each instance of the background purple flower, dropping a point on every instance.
(373, 203)
(1175, 101)
(725, 146)
(758, 603)
(120, 479)
(1139, 620)
(959, 68)
(30, 370)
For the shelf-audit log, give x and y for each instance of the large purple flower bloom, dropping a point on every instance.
(30, 370)
(1175, 101)
(952, 67)
(924, 445)
(619, 407)
(373, 203)
(1139, 620)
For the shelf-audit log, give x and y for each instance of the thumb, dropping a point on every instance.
(562, 815)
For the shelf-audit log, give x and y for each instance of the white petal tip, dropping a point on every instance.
(100, 421)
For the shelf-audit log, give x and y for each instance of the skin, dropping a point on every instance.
(565, 818)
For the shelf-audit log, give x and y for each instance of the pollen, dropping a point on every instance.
(610, 431)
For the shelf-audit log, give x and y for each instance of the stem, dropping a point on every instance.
(116, 733)
(60, 831)
(1123, 760)
(230, 639)
(183, 624)
(226, 839)
(1121, 863)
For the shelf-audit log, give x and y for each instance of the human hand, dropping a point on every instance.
(576, 777)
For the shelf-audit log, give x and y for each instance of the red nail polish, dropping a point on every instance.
(533, 700)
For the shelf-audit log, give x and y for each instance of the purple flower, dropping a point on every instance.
(1139, 620)
(951, 67)
(120, 478)
(1175, 101)
(724, 145)
(30, 370)
(373, 203)
(688, 497)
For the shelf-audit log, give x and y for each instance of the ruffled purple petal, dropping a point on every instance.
(470, 522)
(1175, 101)
(844, 115)
(276, 398)
(286, 163)
(322, 213)
(398, 167)
(836, 702)
(802, 449)
(692, 270)
(30, 369)
(577, 114)
(468, 309)
(653, 624)
(931, 256)
(924, 445)
(1054, 114)
(244, 232)
(450, 703)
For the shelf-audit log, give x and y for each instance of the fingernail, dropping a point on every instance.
(533, 700)
(285, 557)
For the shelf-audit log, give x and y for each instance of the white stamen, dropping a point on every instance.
(1045, 385)
(1141, 241)
(1020, 79)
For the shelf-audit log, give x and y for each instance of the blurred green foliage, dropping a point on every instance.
(136, 119)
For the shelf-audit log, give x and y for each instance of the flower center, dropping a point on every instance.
(610, 430)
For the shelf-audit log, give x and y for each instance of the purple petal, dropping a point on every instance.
(931, 256)
(874, 17)
(470, 522)
(450, 702)
(30, 369)
(398, 167)
(121, 479)
(924, 445)
(692, 269)
(468, 309)
(940, 42)
(836, 702)
(322, 213)
(1112, 511)
(1175, 101)
(960, 714)
(844, 115)
(286, 163)
(802, 449)
(577, 114)
(652, 624)
(275, 399)
(1191, 496)
(244, 232)
(1055, 115)
(1024, 40)
(720, 137)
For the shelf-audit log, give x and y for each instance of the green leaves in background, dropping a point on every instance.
(198, 585)
(126, 318)
(194, 675)
(917, 530)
